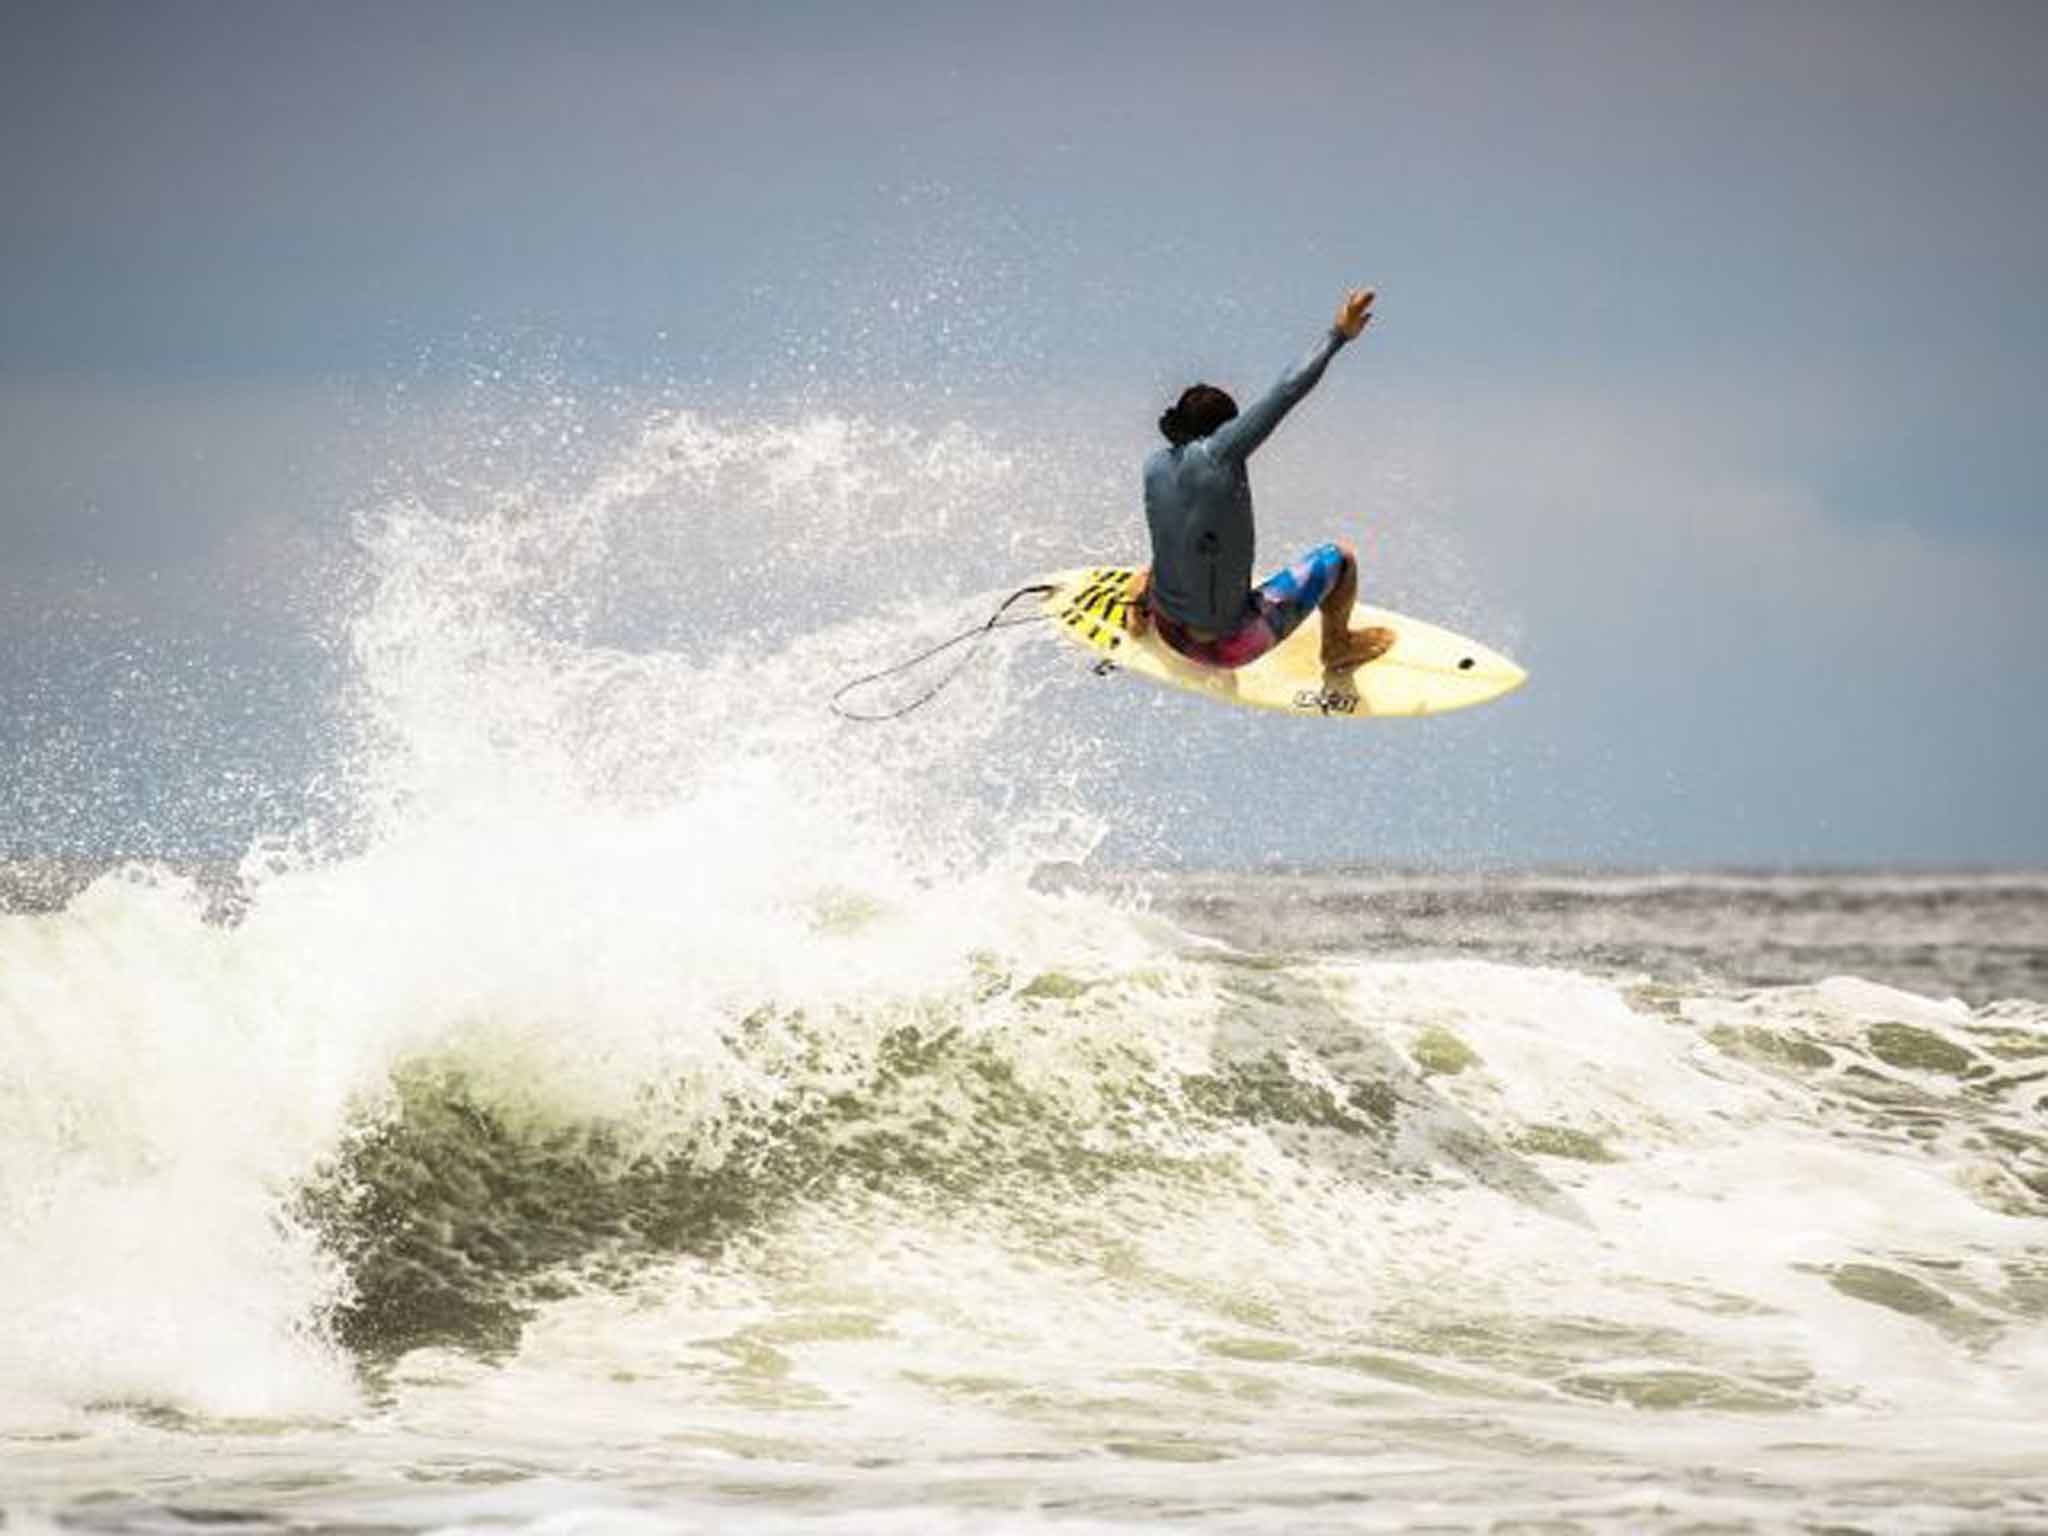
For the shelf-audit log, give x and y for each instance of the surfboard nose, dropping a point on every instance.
(1486, 674)
(1505, 675)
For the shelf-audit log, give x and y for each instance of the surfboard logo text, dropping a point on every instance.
(1326, 701)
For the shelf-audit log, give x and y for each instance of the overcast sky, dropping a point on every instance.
(1711, 378)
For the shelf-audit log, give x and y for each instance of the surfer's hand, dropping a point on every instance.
(1137, 612)
(1355, 313)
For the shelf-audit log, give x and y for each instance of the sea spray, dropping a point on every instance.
(566, 868)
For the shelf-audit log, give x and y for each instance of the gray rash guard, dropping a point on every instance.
(1198, 504)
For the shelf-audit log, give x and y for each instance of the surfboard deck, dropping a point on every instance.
(1429, 670)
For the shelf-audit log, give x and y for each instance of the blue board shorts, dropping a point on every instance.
(1273, 611)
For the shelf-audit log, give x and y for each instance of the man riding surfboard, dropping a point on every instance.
(1198, 506)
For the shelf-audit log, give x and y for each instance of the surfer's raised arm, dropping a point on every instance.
(1236, 439)
(1198, 598)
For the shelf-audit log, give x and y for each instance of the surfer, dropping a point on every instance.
(1198, 590)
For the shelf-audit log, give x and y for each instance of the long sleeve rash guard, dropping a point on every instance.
(1198, 504)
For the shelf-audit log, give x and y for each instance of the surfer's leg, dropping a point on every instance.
(1326, 578)
(1276, 610)
(1344, 647)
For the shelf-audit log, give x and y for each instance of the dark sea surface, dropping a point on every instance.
(1976, 935)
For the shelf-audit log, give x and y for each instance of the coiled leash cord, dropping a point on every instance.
(976, 634)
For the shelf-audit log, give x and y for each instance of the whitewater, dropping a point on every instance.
(637, 1101)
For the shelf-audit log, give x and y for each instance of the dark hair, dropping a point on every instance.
(1201, 409)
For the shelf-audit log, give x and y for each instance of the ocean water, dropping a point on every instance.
(627, 1108)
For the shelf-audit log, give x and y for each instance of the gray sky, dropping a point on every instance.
(1710, 380)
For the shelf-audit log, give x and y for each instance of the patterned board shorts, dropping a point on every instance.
(1275, 610)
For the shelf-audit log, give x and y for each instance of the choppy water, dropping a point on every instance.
(651, 1113)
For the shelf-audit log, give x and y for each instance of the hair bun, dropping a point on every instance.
(1200, 410)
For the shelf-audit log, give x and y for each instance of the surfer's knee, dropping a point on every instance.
(1346, 565)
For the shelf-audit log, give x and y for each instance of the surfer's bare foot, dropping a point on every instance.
(1137, 610)
(1357, 648)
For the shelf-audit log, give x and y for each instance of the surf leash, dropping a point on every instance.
(971, 637)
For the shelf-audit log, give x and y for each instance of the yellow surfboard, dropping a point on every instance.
(1428, 670)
